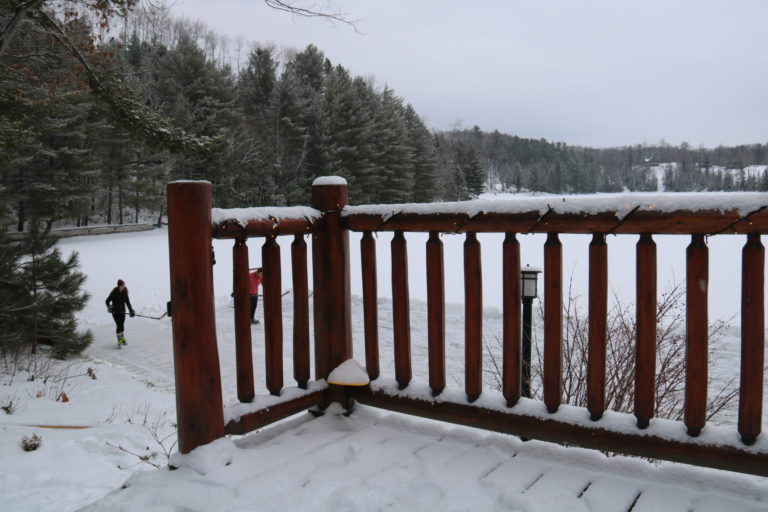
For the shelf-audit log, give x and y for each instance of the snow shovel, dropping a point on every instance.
(152, 317)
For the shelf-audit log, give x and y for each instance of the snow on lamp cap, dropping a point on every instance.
(329, 180)
(349, 373)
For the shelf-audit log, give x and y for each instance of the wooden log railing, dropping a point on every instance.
(330, 223)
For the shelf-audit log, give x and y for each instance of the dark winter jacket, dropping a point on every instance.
(117, 300)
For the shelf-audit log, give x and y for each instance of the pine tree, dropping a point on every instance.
(422, 149)
(12, 299)
(52, 294)
(347, 110)
(392, 152)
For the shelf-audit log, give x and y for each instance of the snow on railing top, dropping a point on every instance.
(243, 215)
(622, 204)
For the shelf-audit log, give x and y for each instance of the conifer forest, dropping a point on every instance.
(98, 112)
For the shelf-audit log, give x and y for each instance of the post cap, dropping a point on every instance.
(329, 180)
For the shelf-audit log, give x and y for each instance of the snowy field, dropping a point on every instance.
(369, 461)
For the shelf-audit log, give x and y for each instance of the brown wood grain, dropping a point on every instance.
(243, 346)
(752, 339)
(512, 327)
(645, 351)
(435, 313)
(370, 304)
(199, 409)
(273, 315)
(473, 318)
(553, 322)
(300, 311)
(696, 334)
(332, 297)
(401, 310)
(598, 316)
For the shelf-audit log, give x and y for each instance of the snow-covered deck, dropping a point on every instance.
(373, 460)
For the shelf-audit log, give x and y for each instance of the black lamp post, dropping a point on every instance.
(529, 276)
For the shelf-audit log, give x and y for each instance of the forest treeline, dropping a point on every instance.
(260, 124)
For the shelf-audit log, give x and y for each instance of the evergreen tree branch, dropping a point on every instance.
(18, 18)
(124, 107)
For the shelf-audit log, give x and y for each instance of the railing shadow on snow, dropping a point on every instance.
(203, 418)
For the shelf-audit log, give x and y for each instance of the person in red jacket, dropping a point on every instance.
(254, 281)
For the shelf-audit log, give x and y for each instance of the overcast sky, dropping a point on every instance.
(590, 72)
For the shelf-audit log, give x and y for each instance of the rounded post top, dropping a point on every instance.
(329, 193)
(329, 180)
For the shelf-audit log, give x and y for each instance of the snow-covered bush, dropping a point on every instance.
(31, 443)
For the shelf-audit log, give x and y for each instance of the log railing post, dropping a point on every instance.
(370, 306)
(300, 311)
(598, 319)
(330, 269)
(436, 313)
(473, 318)
(511, 351)
(199, 409)
(401, 310)
(696, 334)
(243, 350)
(645, 350)
(273, 315)
(553, 322)
(752, 339)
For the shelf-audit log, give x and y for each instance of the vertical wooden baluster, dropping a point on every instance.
(512, 364)
(243, 350)
(473, 318)
(401, 310)
(273, 315)
(436, 313)
(370, 306)
(645, 353)
(696, 334)
(752, 339)
(553, 322)
(300, 311)
(598, 317)
(319, 291)
(199, 409)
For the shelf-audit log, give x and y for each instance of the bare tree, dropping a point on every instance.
(620, 359)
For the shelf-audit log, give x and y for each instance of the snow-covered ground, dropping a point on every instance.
(369, 461)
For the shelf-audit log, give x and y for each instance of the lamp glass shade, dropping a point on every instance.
(529, 281)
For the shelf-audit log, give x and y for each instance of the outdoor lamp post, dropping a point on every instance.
(529, 276)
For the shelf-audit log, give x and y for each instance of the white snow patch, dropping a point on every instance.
(623, 423)
(329, 180)
(589, 204)
(276, 213)
(349, 373)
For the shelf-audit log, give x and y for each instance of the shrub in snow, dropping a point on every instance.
(10, 406)
(620, 359)
(31, 443)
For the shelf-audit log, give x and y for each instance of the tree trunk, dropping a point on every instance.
(109, 203)
(22, 219)
(120, 204)
(136, 206)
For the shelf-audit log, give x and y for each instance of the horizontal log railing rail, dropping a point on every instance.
(330, 221)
